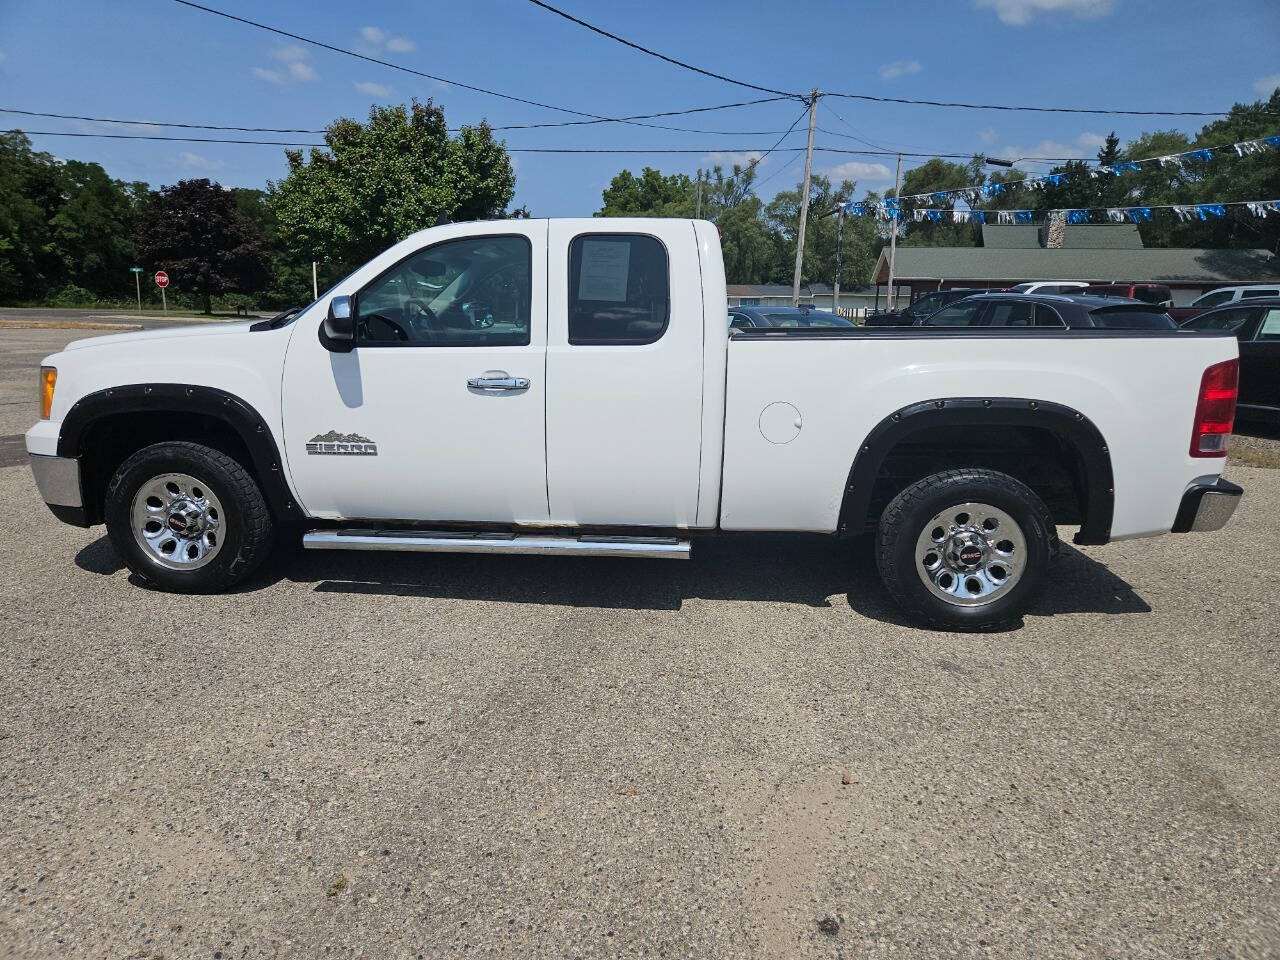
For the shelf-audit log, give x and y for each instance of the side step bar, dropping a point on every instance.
(449, 541)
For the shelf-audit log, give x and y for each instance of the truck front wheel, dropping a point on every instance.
(187, 518)
(965, 549)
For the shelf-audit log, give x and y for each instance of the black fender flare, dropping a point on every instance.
(211, 402)
(1077, 430)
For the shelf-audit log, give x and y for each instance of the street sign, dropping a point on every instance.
(136, 270)
(162, 279)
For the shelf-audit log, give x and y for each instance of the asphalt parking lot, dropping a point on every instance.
(750, 754)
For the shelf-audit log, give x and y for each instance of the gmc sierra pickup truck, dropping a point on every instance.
(571, 387)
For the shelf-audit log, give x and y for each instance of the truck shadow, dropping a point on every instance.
(812, 571)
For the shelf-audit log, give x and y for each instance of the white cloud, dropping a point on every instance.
(988, 136)
(900, 68)
(194, 161)
(289, 54)
(1264, 85)
(302, 72)
(854, 170)
(376, 40)
(372, 89)
(1018, 13)
(294, 67)
(1082, 146)
(728, 159)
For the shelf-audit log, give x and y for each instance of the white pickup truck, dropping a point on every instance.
(572, 387)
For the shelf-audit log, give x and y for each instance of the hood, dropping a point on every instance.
(167, 333)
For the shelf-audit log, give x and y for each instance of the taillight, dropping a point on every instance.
(1215, 409)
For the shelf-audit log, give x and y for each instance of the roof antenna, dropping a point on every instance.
(442, 220)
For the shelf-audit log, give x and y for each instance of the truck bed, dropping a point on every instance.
(802, 403)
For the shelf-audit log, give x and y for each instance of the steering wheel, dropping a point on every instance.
(421, 317)
(400, 332)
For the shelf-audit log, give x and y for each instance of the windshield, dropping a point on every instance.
(1131, 318)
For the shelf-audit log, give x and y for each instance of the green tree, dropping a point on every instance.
(861, 244)
(382, 180)
(92, 230)
(195, 231)
(649, 195)
(28, 195)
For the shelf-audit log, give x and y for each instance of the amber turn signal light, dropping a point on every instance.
(48, 379)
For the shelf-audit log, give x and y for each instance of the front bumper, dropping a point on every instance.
(1207, 505)
(58, 480)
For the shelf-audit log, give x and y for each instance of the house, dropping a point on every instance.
(1097, 253)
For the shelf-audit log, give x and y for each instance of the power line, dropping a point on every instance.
(707, 149)
(1005, 106)
(518, 126)
(661, 56)
(418, 73)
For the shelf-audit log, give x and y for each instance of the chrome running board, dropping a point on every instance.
(448, 541)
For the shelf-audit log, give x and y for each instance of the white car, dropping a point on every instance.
(1225, 295)
(1050, 286)
(570, 387)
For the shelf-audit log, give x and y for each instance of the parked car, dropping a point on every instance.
(921, 307)
(572, 388)
(1079, 311)
(1156, 294)
(1049, 286)
(1256, 325)
(1225, 295)
(745, 318)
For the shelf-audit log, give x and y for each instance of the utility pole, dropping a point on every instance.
(804, 198)
(893, 237)
(697, 214)
(835, 298)
(315, 289)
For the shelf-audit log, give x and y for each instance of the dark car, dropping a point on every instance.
(1256, 324)
(921, 307)
(1156, 294)
(746, 318)
(1050, 310)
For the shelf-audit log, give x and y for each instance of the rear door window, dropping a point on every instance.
(619, 289)
(1015, 313)
(1047, 317)
(1131, 318)
(962, 314)
(1253, 294)
(1213, 299)
(1269, 329)
(1232, 319)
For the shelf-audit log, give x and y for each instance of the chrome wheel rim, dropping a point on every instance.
(177, 521)
(971, 554)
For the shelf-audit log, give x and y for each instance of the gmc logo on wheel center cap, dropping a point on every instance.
(970, 555)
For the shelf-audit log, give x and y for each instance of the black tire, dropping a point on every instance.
(245, 529)
(905, 519)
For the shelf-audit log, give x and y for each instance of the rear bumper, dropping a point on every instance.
(58, 480)
(1207, 505)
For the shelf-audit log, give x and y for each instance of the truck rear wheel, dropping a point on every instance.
(187, 518)
(965, 549)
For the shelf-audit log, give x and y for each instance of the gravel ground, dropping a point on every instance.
(750, 754)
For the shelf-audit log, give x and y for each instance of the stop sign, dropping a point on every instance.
(162, 279)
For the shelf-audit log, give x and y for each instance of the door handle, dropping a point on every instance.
(498, 383)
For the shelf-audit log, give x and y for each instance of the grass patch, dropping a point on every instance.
(337, 885)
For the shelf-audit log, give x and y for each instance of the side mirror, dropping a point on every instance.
(338, 325)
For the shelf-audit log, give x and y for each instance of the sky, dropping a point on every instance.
(156, 60)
